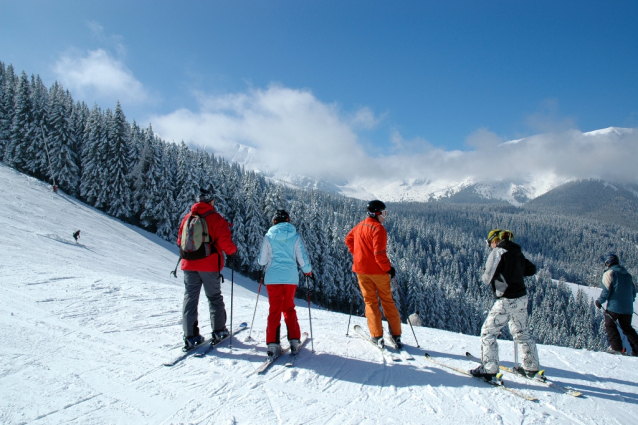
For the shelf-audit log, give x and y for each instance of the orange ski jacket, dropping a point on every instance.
(367, 243)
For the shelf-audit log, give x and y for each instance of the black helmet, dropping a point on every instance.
(205, 196)
(376, 206)
(611, 259)
(280, 216)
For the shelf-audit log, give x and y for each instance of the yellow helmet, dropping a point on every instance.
(493, 235)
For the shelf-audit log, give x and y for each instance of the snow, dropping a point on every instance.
(86, 327)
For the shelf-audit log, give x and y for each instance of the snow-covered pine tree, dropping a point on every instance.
(117, 166)
(64, 162)
(94, 135)
(38, 164)
(188, 178)
(22, 130)
(253, 219)
(165, 210)
(148, 176)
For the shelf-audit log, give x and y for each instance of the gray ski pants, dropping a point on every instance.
(193, 282)
(514, 312)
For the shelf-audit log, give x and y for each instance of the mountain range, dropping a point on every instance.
(582, 192)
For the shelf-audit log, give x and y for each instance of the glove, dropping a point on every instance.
(309, 274)
(392, 272)
(231, 259)
(598, 304)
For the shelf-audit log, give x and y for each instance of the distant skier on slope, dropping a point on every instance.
(367, 243)
(504, 271)
(203, 235)
(619, 293)
(76, 235)
(281, 250)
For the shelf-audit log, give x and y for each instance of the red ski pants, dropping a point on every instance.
(282, 300)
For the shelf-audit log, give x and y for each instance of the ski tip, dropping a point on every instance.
(499, 376)
(541, 373)
(243, 325)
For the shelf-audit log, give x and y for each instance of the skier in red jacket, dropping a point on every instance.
(206, 272)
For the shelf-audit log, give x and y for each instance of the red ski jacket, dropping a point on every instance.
(367, 243)
(220, 233)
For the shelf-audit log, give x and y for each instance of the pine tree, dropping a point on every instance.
(117, 166)
(38, 164)
(64, 163)
(148, 175)
(22, 128)
(95, 133)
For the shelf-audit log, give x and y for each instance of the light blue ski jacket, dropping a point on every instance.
(281, 250)
(618, 290)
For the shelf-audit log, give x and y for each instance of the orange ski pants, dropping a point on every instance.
(375, 287)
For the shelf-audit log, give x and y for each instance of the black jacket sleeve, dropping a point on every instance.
(530, 268)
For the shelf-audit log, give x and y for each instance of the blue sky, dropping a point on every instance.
(391, 78)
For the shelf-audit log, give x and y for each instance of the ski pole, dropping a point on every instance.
(515, 354)
(174, 272)
(409, 323)
(232, 287)
(350, 316)
(261, 282)
(312, 341)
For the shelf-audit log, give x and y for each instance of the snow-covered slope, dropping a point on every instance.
(85, 328)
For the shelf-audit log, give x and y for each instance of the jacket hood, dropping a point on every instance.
(509, 246)
(619, 269)
(202, 208)
(282, 231)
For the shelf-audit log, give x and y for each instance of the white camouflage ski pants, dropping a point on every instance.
(514, 312)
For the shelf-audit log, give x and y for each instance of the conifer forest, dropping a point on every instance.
(438, 249)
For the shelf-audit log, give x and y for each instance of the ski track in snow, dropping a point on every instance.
(85, 328)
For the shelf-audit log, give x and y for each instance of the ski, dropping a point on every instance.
(386, 354)
(187, 354)
(242, 327)
(402, 351)
(270, 360)
(498, 383)
(567, 390)
(197, 350)
(292, 358)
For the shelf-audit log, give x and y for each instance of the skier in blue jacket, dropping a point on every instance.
(281, 250)
(619, 293)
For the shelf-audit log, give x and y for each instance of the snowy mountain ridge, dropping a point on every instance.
(529, 185)
(85, 328)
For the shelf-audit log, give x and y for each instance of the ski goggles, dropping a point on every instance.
(383, 213)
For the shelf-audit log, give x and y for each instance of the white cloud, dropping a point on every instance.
(98, 75)
(293, 131)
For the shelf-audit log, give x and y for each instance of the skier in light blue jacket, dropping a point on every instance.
(281, 250)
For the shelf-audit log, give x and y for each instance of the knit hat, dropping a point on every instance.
(280, 217)
(611, 259)
(205, 196)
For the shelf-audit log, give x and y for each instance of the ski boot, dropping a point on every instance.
(530, 374)
(397, 341)
(274, 350)
(480, 373)
(378, 340)
(220, 335)
(294, 346)
(191, 342)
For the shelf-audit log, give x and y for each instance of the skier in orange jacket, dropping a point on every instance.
(367, 243)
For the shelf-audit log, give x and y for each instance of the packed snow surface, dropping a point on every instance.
(85, 328)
